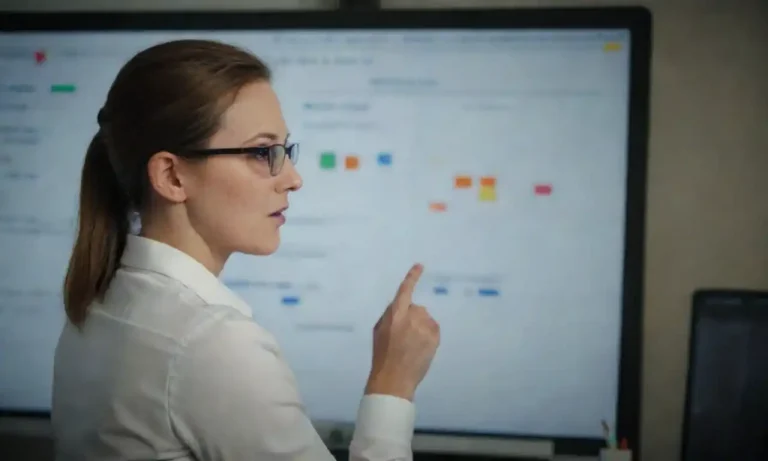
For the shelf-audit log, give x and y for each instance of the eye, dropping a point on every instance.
(259, 152)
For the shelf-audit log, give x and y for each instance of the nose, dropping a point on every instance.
(289, 179)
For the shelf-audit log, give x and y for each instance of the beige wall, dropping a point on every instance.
(708, 185)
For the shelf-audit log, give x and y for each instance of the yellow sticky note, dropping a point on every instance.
(487, 194)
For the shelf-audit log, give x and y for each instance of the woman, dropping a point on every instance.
(159, 360)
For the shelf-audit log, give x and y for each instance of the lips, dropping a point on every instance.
(278, 212)
(278, 216)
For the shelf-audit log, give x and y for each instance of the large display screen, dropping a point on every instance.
(498, 158)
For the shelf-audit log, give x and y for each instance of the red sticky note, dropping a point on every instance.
(542, 189)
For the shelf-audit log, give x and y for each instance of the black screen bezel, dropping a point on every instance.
(636, 20)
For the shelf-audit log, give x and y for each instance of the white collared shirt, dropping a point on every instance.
(171, 366)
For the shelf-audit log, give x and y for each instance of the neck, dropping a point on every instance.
(184, 238)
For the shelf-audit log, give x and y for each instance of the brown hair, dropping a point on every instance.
(168, 97)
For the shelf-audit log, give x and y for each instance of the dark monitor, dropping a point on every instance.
(726, 410)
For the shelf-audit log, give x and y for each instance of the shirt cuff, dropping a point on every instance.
(386, 417)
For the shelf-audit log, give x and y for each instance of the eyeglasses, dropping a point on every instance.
(275, 155)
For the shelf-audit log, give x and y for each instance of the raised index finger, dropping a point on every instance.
(405, 292)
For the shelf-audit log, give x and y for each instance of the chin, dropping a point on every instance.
(263, 247)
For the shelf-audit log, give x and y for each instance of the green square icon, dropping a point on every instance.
(328, 160)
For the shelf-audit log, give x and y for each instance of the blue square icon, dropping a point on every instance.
(385, 159)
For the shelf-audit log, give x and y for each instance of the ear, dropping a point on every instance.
(165, 178)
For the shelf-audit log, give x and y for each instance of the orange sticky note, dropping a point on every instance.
(488, 181)
(351, 162)
(438, 207)
(462, 182)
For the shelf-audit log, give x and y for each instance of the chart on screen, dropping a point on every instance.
(504, 175)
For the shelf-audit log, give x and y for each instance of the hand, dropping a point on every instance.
(405, 340)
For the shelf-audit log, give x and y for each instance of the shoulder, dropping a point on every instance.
(224, 336)
(225, 346)
(156, 303)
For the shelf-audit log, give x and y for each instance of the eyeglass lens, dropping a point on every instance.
(277, 156)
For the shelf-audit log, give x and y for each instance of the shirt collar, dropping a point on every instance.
(150, 255)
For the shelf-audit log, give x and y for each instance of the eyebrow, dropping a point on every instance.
(270, 136)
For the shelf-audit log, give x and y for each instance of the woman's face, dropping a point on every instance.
(232, 201)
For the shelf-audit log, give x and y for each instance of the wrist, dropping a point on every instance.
(386, 385)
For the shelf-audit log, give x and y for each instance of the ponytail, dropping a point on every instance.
(101, 235)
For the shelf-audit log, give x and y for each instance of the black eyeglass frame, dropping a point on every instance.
(274, 154)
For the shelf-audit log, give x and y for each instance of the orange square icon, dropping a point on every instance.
(462, 182)
(351, 162)
(488, 181)
(438, 207)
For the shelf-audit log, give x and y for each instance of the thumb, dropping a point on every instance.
(404, 295)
